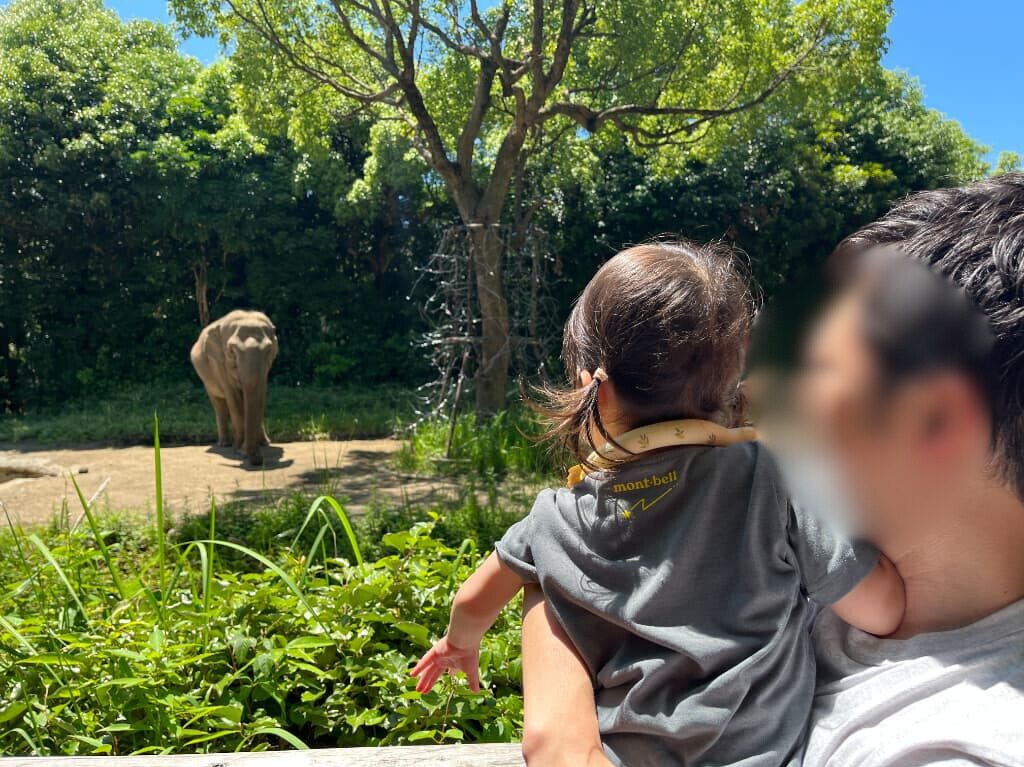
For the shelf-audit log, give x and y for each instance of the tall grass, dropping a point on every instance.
(505, 444)
(115, 640)
(293, 413)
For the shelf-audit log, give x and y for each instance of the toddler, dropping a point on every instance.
(674, 559)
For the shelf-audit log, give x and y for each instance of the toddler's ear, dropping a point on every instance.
(586, 377)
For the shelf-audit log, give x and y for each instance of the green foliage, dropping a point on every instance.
(507, 443)
(293, 413)
(477, 513)
(135, 197)
(1009, 162)
(786, 195)
(304, 647)
(487, 97)
(667, 67)
(136, 181)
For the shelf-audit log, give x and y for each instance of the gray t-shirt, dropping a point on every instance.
(951, 698)
(683, 578)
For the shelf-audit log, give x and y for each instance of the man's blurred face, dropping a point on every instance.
(871, 433)
(837, 380)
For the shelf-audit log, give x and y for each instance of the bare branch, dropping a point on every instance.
(413, 9)
(529, 108)
(461, 184)
(536, 59)
(477, 112)
(386, 59)
(488, 70)
(478, 20)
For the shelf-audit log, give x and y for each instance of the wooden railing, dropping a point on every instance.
(476, 755)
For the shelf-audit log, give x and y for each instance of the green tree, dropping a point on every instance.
(80, 95)
(1008, 162)
(785, 194)
(136, 203)
(472, 88)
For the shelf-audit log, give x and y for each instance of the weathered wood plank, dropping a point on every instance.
(475, 755)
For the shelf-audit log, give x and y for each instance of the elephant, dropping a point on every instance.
(233, 357)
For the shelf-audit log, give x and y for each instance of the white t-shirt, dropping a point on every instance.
(952, 698)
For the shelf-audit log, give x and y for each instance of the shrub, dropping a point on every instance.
(113, 643)
(464, 518)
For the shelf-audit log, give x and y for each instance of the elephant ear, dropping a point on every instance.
(214, 340)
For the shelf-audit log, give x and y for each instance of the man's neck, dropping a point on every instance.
(967, 567)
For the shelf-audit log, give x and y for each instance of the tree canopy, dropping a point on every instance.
(144, 193)
(475, 88)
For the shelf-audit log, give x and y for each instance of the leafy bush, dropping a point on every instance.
(481, 516)
(464, 518)
(269, 529)
(113, 643)
(506, 443)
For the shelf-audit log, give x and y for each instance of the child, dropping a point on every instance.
(674, 560)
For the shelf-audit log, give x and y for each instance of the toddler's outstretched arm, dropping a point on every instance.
(474, 610)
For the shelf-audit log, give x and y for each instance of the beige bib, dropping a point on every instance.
(658, 435)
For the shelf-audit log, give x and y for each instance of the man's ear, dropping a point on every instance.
(950, 419)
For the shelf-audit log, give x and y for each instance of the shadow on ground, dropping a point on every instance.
(358, 470)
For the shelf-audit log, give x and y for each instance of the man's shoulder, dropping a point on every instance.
(947, 698)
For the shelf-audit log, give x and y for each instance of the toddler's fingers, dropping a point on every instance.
(428, 680)
(425, 661)
(473, 674)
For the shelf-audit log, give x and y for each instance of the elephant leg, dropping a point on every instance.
(264, 439)
(254, 399)
(220, 407)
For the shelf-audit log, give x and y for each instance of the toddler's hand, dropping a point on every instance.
(446, 656)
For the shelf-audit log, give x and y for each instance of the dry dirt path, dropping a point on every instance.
(34, 480)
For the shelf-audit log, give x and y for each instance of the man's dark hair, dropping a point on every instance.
(974, 235)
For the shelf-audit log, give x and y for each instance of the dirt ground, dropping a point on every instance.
(34, 480)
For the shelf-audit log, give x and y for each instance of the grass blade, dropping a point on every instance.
(345, 523)
(285, 578)
(208, 572)
(7, 626)
(104, 551)
(160, 532)
(284, 735)
(24, 736)
(48, 556)
(312, 551)
(15, 534)
(468, 547)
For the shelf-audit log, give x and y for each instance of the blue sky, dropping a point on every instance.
(967, 56)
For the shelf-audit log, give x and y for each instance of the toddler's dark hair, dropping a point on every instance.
(669, 322)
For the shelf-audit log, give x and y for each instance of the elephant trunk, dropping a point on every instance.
(255, 401)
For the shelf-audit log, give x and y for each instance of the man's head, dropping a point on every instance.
(913, 416)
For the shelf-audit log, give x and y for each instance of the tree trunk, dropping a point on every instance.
(493, 355)
(199, 271)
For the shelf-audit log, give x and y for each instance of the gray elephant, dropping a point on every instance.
(233, 357)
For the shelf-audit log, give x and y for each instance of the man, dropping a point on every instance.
(931, 436)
